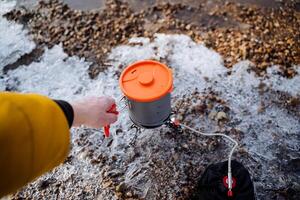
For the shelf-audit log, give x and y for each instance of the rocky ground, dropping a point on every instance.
(265, 36)
(255, 102)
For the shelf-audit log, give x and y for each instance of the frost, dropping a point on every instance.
(14, 41)
(270, 136)
(55, 75)
(275, 80)
(199, 59)
(6, 6)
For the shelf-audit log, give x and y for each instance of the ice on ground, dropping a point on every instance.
(55, 75)
(199, 58)
(270, 136)
(187, 58)
(6, 6)
(278, 82)
(14, 41)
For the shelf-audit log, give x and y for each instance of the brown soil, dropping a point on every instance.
(265, 36)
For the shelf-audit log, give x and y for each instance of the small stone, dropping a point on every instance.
(175, 157)
(209, 106)
(221, 116)
(212, 115)
(185, 146)
(114, 158)
(261, 108)
(45, 183)
(119, 194)
(121, 187)
(95, 161)
(129, 194)
(107, 184)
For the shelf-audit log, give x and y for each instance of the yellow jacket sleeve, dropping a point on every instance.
(34, 138)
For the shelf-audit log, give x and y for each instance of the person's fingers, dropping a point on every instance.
(109, 102)
(111, 118)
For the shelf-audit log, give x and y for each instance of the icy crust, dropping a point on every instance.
(187, 58)
(160, 163)
(55, 75)
(14, 41)
(271, 131)
(6, 6)
(278, 82)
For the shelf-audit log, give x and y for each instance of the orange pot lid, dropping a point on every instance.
(146, 81)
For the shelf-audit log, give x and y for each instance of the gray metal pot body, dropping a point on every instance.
(150, 114)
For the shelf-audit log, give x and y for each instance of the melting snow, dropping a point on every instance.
(13, 41)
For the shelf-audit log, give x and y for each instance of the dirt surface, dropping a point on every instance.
(265, 35)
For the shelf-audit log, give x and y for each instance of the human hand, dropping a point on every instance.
(93, 112)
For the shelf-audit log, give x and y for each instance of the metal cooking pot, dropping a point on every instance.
(147, 86)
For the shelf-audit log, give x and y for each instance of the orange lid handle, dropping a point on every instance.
(145, 78)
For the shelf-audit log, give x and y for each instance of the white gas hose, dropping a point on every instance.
(230, 154)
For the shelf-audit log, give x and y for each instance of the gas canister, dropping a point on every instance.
(147, 86)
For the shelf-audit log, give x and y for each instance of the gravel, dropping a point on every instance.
(265, 36)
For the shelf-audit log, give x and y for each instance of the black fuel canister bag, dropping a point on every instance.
(211, 185)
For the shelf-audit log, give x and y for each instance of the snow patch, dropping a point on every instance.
(14, 41)
(280, 83)
(56, 75)
(6, 6)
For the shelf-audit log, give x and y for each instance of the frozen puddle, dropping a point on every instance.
(161, 164)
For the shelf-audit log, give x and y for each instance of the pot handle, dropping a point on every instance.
(113, 110)
(171, 89)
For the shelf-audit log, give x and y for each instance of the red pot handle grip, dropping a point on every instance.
(113, 110)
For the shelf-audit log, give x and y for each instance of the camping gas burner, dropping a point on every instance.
(174, 123)
(171, 122)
